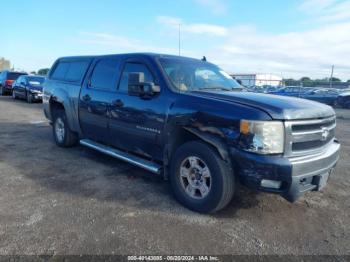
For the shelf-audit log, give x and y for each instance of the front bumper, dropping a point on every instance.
(297, 175)
(37, 96)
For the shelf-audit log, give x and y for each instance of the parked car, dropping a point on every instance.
(326, 96)
(6, 80)
(182, 118)
(288, 91)
(28, 87)
(343, 100)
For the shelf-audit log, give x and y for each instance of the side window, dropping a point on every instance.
(70, 71)
(76, 71)
(133, 68)
(18, 81)
(104, 74)
(60, 71)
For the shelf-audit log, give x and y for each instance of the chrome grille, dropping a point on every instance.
(309, 136)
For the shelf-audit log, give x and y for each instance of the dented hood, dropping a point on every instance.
(278, 107)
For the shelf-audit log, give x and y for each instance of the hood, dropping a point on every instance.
(278, 107)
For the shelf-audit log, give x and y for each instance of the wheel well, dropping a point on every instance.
(182, 135)
(54, 105)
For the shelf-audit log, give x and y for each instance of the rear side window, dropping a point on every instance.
(14, 76)
(60, 71)
(70, 71)
(104, 74)
(76, 71)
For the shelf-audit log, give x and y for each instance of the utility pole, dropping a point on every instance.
(179, 39)
(331, 79)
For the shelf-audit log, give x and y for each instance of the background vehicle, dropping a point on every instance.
(6, 80)
(326, 96)
(183, 118)
(28, 87)
(288, 91)
(343, 100)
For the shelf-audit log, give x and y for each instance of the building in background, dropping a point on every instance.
(4, 64)
(250, 80)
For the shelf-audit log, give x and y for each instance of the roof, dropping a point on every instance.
(145, 54)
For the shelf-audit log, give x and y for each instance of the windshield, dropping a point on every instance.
(191, 75)
(35, 80)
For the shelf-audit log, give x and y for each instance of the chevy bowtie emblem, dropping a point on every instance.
(325, 133)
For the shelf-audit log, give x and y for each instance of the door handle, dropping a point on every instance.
(86, 98)
(118, 103)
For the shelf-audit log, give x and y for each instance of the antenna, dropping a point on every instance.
(179, 39)
(331, 79)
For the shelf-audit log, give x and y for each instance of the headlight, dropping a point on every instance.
(35, 91)
(263, 137)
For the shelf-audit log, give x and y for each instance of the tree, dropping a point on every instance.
(334, 79)
(305, 79)
(33, 73)
(290, 82)
(43, 71)
(348, 81)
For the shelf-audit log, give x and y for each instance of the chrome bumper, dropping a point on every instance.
(316, 164)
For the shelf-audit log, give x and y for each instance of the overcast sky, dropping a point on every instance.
(291, 38)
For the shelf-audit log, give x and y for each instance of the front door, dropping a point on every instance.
(20, 87)
(136, 123)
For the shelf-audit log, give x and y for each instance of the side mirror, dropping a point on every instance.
(138, 87)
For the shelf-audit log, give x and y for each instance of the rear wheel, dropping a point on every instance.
(2, 91)
(200, 179)
(63, 136)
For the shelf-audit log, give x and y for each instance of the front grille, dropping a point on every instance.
(309, 136)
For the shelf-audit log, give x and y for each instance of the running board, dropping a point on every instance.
(134, 160)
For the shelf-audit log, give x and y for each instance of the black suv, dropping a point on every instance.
(6, 80)
(189, 121)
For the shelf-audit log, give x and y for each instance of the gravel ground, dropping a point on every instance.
(75, 201)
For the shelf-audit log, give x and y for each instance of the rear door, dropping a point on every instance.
(137, 123)
(95, 98)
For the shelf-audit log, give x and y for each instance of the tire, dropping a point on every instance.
(2, 91)
(14, 94)
(347, 104)
(218, 189)
(62, 134)
(29, 98)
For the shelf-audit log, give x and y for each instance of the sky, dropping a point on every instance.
(289, 38)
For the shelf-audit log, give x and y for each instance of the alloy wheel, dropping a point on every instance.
(195, 177)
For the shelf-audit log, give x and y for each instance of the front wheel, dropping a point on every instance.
(29, 98)
(63, 136)
(14, 94)
(200, 178)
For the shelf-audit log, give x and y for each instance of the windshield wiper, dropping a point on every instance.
(213, 88)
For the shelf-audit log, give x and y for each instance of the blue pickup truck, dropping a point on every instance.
(188, 121)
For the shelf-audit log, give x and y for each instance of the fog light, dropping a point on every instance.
(271, 183)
